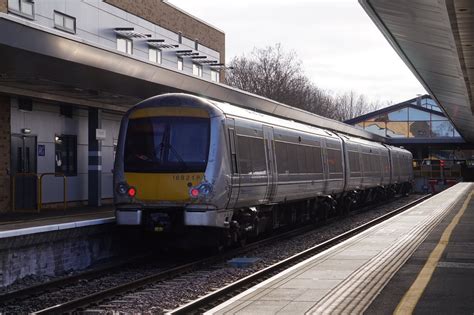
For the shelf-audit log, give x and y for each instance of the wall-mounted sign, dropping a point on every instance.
(100, 134)
(41, 150)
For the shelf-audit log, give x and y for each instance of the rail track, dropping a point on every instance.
(217, 297)
(207, 301)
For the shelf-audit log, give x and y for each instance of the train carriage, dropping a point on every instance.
(185, 161)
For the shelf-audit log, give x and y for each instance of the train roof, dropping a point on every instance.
(236, 111)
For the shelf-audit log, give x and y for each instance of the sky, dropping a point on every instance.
(340, 47)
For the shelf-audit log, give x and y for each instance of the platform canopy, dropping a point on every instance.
(46, 64)
(435, 40)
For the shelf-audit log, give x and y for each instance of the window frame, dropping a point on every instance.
(158, 55)
(63, 27)
(127, 40)
(20, 12)
(199, 70)
(217, 76)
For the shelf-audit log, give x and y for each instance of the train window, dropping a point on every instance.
(292, 158)
(251, 156)
(310, 165)
(167, 144)
(282, 157)
(334, 161)
(245, 162)
(301, 159)
(354, 161)
(259, 162)
(318, 161)
(366, 163)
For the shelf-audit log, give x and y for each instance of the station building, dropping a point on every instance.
(439, 151)
(420, 126)
(69, 70)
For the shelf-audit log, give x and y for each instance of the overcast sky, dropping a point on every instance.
(340, 47)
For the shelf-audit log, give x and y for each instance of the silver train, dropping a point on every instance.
(185, 162)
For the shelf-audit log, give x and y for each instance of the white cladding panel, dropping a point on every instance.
(96, 21)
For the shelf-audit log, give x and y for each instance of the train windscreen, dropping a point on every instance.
(167, 144)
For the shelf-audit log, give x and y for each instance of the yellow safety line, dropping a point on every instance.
(412, 296)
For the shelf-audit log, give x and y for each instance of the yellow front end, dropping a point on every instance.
(157, 187)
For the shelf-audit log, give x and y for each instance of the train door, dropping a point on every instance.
(271, 167)
(23, 168)
(235, 178)
(324, 156)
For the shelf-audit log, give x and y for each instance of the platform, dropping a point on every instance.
(383, 269)
(16, 224)
(55, 242)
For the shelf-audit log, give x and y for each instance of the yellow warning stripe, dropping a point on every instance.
(412, 296)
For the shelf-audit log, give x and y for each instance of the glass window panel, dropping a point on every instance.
(419, 129)
(437, 108)
(69, 23)
(376, 127)
(152, 55)
(14, 5)
(200, 70)
(180, 63)
(129, 46)
(301, 159)
(195, 69)
(58, 19)
(282, 158)
(317, 159)
(245, 162)
(442, 129)
(214, 76)
(121, 45)
(397, 129)
(456, 134)
(257, 152)
(360, 125)
(158, 56)
(399, 115)
(417, 115)
(438, 117)
(334, 161)
(27, 7)
(429, 101)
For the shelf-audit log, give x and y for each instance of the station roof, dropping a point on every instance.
(48, 64)
(435, 40)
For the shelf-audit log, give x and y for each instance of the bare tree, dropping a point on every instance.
(273, 73)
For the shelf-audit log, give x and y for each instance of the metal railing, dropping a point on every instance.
(39, 188)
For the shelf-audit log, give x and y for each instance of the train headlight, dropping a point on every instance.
(194, 192)
(122, 188)
(202, 190)
(132, 192)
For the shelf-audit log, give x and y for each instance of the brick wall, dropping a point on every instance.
(5, 139)
(167, 16)
(3, 5)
